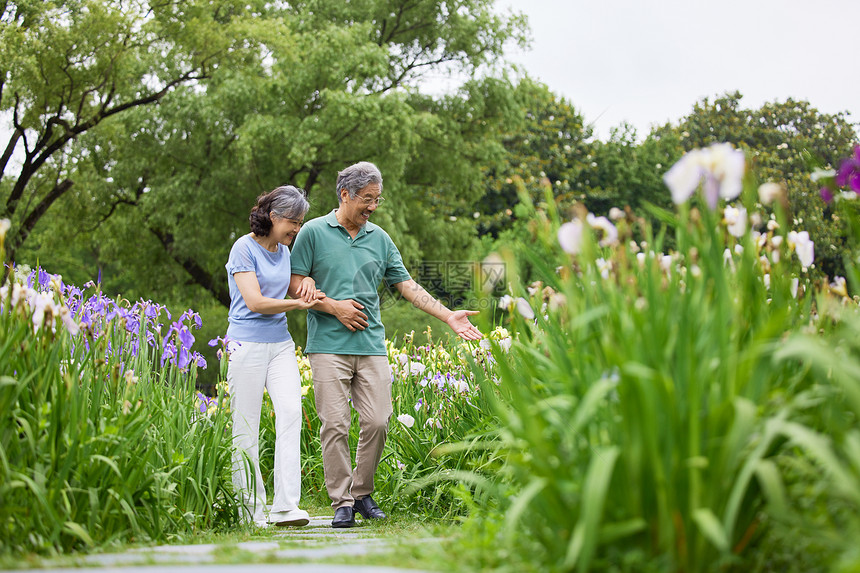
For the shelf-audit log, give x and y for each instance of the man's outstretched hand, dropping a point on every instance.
(459, 323)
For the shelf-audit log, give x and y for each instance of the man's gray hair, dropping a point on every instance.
(356, 177)
(289, 202)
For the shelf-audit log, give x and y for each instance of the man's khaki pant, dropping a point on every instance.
(367, 379)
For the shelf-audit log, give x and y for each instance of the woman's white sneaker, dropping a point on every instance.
(293, 517)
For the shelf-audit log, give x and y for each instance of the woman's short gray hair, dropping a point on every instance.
(285, 202)
(289, 202)
(356, 177)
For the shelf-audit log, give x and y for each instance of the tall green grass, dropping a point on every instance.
(650, 402)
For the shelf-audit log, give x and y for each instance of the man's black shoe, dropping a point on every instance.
(368, 508)
(343, 517)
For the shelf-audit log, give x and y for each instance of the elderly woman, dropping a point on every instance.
(262, 355)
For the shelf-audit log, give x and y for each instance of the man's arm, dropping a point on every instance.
(348, 311)
(458, 320)
(304, 288)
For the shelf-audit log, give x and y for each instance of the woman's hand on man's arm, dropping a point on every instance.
(249, 287)
(305, 288)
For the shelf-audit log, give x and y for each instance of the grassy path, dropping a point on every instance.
(395, 546)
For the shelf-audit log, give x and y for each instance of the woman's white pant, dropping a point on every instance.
(253, 367)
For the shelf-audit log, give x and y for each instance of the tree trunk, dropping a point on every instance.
(201, 276)
(22, 232)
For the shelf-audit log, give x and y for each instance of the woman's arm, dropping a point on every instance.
(249, 287)
(348, 311)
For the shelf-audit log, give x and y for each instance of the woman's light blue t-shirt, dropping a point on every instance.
(273, 274)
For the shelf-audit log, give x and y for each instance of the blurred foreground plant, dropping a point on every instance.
(649, 400)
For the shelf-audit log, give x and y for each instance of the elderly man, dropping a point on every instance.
(348, 256)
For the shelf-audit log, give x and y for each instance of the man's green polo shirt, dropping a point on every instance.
(345, 268)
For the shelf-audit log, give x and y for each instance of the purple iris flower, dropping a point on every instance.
(184, 358)
(199, 359)
(96, 303)
(44, 278)
(74, 298)
(151, 311)
(113, 312)
(97, 312)
(439, 381)
(185, 337)
(190, 314)
(848, 174)
(169, 352)
(204, 402)
(128, 318)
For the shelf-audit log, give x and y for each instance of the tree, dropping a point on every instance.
(623, 172)
(548, 145)
(68, 67)
(321, 85)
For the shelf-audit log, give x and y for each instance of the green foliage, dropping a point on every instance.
(547, 146)
(652, 420)
(405, 322)
(648, 400)
(782, 141)
(680, 411)
(67, 67)
(290, 94)
(624, 172)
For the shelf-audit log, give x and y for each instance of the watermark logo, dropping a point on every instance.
(455, 283)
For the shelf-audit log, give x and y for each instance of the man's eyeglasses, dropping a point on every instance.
(368, 200)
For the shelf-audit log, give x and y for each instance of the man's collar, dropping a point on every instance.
(331, 219)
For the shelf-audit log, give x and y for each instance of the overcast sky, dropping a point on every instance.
(649, 61)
